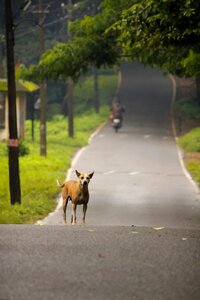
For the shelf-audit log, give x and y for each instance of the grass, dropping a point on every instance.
(194, 168)
(189, 109)
(38, 174)
(190, 142)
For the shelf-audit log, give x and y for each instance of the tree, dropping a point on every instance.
(90, 47)
(165, 34)
(43, 143)
(159, 28)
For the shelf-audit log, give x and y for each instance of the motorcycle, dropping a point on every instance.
(116, 124)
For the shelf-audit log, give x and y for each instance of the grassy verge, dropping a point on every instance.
(38, 175)
(190, 143)
(187, 116)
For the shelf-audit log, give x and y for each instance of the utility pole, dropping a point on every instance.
(70, 110)
(70, 82)
(95, 74)
(1, 76)
(43, 143)
(96, 90)
(42, 15)
(43, 151)
(13, 144)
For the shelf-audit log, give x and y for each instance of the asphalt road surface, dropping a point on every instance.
(142, 240)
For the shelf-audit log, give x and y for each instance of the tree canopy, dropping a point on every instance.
(162, 33)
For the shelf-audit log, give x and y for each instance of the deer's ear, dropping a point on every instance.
(77, 173)
(91, 174)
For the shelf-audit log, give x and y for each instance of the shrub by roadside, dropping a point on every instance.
(187, 108)
(187, 118)
(186, 113)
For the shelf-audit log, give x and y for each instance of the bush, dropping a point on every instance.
(190, 141)
(52, 110)
(187, 108)
(23, 148)
(194, 168)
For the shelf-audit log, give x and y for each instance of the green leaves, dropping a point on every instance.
(73, 59)
(192, 64)
(162, 33)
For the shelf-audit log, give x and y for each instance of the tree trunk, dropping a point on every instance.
(70, 83)
(70, 111)
(13, 145)
(1, 95)
(96, 91)
(198, 89)
(43, 150)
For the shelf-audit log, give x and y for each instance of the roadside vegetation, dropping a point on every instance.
(190, 143)
(188, 109)
(38, 174)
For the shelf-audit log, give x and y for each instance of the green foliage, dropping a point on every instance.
(192, 64)
(190, 142)
(83, 96)
(194, 168)
(160, 33)
(53, 109)
(187, 108)
(165, 34)
(73, 59)
(23, 148)
(3, 149)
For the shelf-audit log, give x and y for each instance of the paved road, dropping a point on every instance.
(138, 180)
(138, 176)
(97, 263)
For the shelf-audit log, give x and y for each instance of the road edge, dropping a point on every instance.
(180, 152)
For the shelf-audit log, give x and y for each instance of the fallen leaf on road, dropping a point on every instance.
(39, 223)
(100, 255)
(158, 228)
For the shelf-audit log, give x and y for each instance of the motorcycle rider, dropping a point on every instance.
(117, 110)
